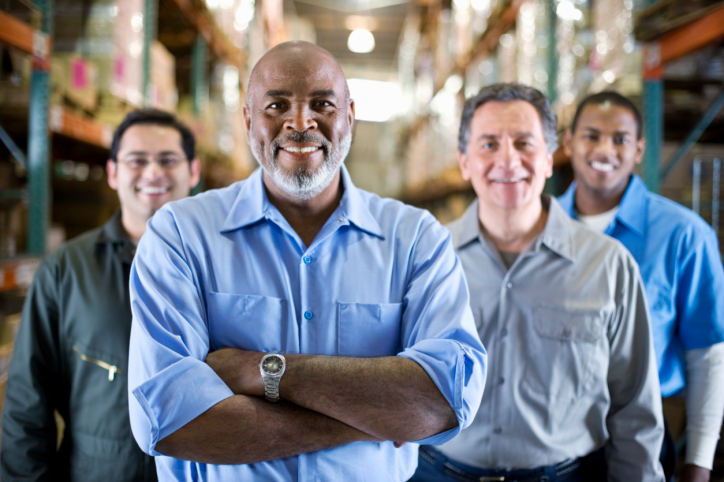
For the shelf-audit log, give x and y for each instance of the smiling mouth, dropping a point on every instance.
(602, 166)
(300, 150)
(154, 190)
(509, 181)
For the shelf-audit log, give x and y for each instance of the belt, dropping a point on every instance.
(463, 473)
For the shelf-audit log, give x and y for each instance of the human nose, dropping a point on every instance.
(300, 118)
(508, 155)
(605, 147)
(153, 169)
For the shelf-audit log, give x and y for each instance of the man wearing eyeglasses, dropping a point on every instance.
(71, 352)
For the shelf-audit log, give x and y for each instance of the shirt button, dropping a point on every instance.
(501, 380)
(340, 220)
(307, 259)
(308, 315)
(509, 285)
(566, 333)
(497, 430)
(504, 332)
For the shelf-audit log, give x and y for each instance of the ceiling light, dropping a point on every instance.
(361, 41)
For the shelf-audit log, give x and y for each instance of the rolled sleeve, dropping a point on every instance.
(169, 383)
(440, 332)
(459, 374)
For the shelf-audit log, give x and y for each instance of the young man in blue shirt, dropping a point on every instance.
(679, 259)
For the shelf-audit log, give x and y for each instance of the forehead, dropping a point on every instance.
(299, 74)
(607, 116)
(150, 138)
(495, 117)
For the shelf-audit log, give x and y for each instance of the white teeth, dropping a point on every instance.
(303, 150)
(602, 166)
(154, 190)
(510, 181)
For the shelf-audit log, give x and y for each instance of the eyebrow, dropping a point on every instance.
(286, 93)
(324, 93)
(277, 93)
(616, 133)
(144, 153)
(495, 136)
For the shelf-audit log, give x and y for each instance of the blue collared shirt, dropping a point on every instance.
(225, 268)
(679, 260)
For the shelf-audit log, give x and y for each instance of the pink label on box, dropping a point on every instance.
(118, 68)
(79, 73)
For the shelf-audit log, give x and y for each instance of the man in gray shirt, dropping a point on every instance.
(561, 310)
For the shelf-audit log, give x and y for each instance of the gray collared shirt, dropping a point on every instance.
(571, 360)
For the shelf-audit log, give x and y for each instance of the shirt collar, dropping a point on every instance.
(556, 235)
(114, 233)
(356, 209)
(252, 205)
(469, 226)
(632, 208)
(631, 212)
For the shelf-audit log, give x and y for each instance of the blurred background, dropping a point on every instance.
(71, 70)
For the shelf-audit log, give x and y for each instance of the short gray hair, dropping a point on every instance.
(507, 92)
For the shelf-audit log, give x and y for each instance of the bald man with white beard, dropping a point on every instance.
(291, 326)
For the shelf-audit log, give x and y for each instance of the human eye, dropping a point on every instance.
(136, 162)
(620, 140)
(169, 162)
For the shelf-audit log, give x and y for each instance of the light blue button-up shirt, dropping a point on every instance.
(225, 268)
(680, 264)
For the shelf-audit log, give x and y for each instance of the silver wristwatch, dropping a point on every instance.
(272, 368)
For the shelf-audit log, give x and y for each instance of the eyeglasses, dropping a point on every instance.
(165, 161)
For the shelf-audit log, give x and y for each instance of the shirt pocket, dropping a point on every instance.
(369, 330)
(563, 351)
(248, 322)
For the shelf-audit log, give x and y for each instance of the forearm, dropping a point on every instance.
(704, 403)
(246, 430)
(392, 398)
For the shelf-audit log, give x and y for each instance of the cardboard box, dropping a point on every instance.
(75, 79)
(164, 94)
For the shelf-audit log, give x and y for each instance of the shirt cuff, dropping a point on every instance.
(459, 374)
(700, 449)
(171, 399)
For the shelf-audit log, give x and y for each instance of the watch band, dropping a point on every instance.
(271, 388)
(271, 375)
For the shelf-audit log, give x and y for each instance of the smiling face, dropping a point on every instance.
(506, 158)
(151, 170)
(604, 150)
(299, 119)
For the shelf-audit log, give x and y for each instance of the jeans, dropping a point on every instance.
(433, 466)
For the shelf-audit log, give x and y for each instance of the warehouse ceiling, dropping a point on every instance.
(334, 20)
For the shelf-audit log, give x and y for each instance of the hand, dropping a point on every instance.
(694, 473)
(239, 369)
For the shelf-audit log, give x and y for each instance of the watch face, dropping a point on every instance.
(272, 365)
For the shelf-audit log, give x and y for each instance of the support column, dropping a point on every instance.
(150, 20)
(39, 147)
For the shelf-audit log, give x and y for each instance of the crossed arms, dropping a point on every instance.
(192, 401)
(326, 402)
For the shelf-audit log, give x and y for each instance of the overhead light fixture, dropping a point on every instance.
(361, 41)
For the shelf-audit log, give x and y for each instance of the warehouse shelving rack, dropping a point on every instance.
(671, 46)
